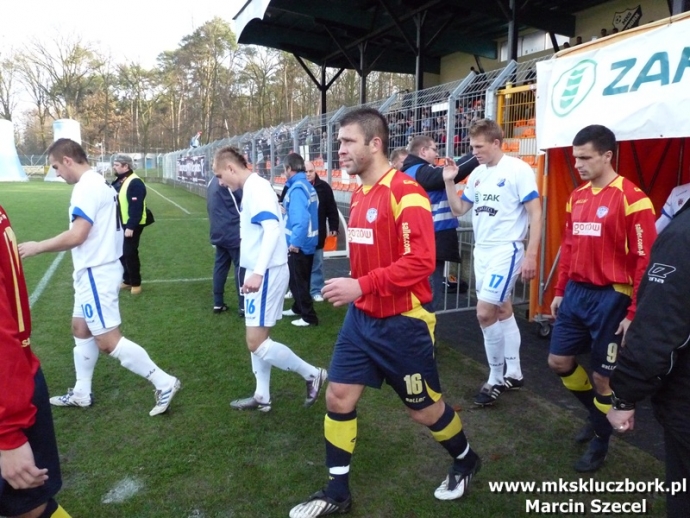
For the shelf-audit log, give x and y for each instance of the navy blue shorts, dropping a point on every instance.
(587, 321)
(41, 435)
(398, 350)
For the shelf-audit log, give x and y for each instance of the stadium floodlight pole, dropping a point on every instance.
(295, 135)
(452, 99)
(490, 105)
(329, 141)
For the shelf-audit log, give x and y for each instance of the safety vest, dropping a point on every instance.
(124, 202)
(440, 208)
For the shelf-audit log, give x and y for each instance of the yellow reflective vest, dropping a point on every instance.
(124, 202)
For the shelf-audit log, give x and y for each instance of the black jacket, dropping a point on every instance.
(431, 179)
(328, 210)
(136, 194)
(223, 214)
(656, 359)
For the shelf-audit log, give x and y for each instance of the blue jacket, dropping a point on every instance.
(223, 214)
(302, 209)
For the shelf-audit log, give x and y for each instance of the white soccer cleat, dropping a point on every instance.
(289, 313)
(318, 297)
(314, 387)
(164, 398)
(456, 484)
(70, 399)
(319, 504)
(288, 295)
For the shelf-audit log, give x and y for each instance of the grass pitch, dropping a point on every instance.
(203, 460)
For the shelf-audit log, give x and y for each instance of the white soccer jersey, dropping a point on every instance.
(96, 201)
(498, 195)
(679, 195)
(260, 204)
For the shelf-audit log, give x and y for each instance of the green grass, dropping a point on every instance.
(204, 460)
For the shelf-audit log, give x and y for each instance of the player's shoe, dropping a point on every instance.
(457, 482)
(513, 383)
(488, 394)
(300, 322)
(70, 399)
(125, 286)
(593, 458)
(250, 403)
(319, 504)
(314, 387)
(318, 298)
(289, 313)
(288, 295)
(220, 309)
(136, 290)
(164, 398)
(585, 434)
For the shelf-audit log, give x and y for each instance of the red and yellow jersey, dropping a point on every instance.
(608, 237)
(18, 365)
(392, 248)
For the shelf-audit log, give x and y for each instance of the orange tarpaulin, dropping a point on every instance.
(655, 165)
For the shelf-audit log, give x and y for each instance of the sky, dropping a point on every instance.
(128, 30)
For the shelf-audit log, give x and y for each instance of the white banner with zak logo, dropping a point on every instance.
(639, 87)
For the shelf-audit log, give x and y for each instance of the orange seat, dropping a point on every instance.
(353, 186)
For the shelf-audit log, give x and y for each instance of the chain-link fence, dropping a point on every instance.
(443, 112)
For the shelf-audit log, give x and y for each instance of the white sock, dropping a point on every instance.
(85, 358)
(262, 373)
(133, 357)
(281, 356)
(511, 335)
(495, 352)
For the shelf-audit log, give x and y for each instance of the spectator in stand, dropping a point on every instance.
(329, 224)
(603, 33)
(398, 156)
(578, 40)
(195, 141)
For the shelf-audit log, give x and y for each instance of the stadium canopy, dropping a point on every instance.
(403, 36)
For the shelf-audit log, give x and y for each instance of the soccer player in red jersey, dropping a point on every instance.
(388, 332)
(29, 461)
(609, 233)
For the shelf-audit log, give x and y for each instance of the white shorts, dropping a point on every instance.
(496, 270)
(96, 292)
(265, 307)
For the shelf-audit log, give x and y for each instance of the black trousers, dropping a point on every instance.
(224, 258)
(300, 277)
(677, 469)
(130, 259)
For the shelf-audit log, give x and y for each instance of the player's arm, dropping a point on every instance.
(459, 205)
(332, 215)
(75, 236)
(529, 265)
(641, 233)
(432, 178)
(417, 252)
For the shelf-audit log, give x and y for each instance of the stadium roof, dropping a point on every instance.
(382, 34)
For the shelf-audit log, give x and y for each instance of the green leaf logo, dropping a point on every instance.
(573, 87)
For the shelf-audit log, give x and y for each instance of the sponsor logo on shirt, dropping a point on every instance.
(658, 272)
(640, 241)
(490, 210)
(580, 201)
(371, 215)
(680, 202)
(501, 182)
(587, 229)
(361, 236)
(407, 248)
(602, 211)
(490, 197)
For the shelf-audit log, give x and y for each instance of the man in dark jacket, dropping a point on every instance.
(656, 360)
(329, 224)
(224, 216)
(132, 201)
(419, 164)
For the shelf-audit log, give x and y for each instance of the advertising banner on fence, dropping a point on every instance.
(192, 169)
(637, 85)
